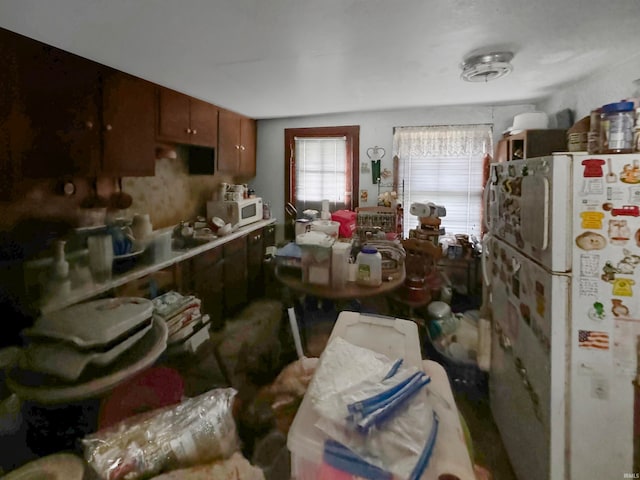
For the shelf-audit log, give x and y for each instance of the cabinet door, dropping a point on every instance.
(208, 280)
(59, 97)
(255, 255)
(173, 116)
(235, 274)
(129, 135)
(228, 142)
(204, 123)
(247, 167)
(11, 120)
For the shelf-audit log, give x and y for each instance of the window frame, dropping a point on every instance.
(352, 135)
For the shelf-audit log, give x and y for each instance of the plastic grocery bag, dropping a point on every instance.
(198, 430)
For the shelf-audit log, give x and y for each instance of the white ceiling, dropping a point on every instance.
(282, 58)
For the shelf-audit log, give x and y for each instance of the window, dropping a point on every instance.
(320, 165)
(445, 165)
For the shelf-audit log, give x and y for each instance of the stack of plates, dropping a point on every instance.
(185, 322)
(64, 343)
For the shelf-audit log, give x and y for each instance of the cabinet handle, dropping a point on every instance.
(194, 131)
(108, 127)
(88, 124)
(237, 147)
(241, 147)
(188, 130)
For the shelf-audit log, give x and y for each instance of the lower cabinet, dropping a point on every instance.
(255, 254)
(206, 278)
(227, 277)
(235, 274)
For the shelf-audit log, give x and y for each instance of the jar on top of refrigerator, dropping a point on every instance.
(617, 125)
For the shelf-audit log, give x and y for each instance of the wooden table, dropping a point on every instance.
(351, 290)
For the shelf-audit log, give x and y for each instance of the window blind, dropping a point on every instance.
(444, 165)
(320, 172)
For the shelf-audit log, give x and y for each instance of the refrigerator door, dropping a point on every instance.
(528, 206)
(530, 313)
(606, 318)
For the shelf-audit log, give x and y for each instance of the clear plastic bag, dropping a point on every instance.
(401, 439)
(198, 430)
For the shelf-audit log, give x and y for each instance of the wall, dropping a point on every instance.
(169, 196)
(376, 129)
(606, 86)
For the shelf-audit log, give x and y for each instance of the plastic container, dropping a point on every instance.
(340, 253)
(369, 267)
(618, 121)
(392, 337)
(329, 227)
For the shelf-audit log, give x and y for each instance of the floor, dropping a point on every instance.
(203, 371)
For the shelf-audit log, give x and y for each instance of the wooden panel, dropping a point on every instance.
(129, 134)
(247, 163)
(204, 123)
(173, 116)
(228, 142)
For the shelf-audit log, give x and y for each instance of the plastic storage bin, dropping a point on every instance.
(390, 336)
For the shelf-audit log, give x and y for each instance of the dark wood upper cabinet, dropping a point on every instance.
(236, 144)
(58, 102)
(186, 120)
(72, 116)
(128, 105)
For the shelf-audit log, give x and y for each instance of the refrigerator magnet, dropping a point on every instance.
(592, 339)
(596, 312)
(591, 241)
(592, 220)
(619, 309)
(622, 287)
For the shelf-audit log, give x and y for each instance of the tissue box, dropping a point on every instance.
(316, 250)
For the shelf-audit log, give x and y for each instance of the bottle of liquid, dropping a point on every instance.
(60, 269)
(369, 267)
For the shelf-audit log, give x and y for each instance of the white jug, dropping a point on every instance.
(141, 227)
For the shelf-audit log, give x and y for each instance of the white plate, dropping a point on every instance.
(66, 362)
(95, 323)
(128, 255)
(89, 229)
(142, 355)
(59, 466)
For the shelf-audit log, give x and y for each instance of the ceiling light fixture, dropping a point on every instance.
(487, 66)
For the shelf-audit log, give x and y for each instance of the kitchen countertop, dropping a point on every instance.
(91, 289)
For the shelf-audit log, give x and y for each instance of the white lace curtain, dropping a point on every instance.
(444, 164)
(442, 141)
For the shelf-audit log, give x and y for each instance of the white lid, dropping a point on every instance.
(393, 337)
(93, 323)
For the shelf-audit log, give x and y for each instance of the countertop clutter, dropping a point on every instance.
(91, 288)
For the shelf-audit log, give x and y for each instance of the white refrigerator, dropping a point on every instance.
(559, 266)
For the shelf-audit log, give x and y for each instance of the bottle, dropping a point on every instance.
(60, 268)
(369, 267)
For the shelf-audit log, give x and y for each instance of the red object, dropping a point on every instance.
(626, 210)
(593, 167)
(153, 388)
(347, 221)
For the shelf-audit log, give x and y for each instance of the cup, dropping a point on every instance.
(100, 257)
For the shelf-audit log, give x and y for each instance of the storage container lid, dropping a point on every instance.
(93, 323)
(618, 107)
(369, 250)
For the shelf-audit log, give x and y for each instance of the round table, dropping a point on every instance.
(350, 290)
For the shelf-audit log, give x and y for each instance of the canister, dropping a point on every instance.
(617, 123)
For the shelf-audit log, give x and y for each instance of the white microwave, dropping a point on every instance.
(241, 212)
